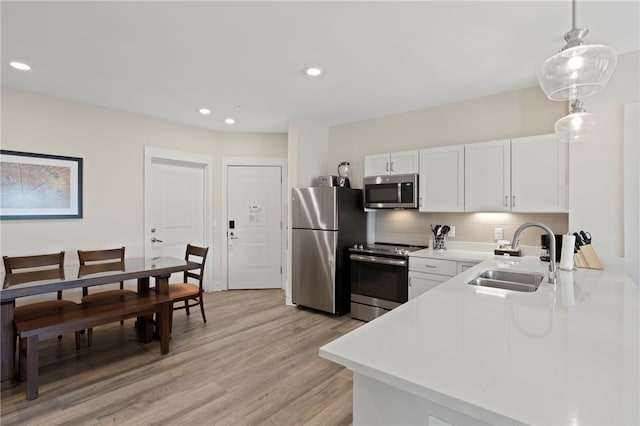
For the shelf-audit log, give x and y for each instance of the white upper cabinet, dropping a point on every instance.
(521, 175)
(538, 174)
(441, 183)
(488, 176)
(377, 164)
(395, 163)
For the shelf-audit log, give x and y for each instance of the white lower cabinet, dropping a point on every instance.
(426, 273)
(419, 282)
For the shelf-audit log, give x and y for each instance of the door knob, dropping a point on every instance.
(155, 240)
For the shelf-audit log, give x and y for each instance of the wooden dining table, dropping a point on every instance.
(33, 283)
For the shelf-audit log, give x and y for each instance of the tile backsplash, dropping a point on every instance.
(412, 227)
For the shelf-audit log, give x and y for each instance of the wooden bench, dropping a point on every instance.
(82, 316)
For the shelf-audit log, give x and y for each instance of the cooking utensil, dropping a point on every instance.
(446, 229)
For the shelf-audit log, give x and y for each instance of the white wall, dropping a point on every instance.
(595, 189)
(308, 150)
(632, 191)
(112, 146)
(597, 167)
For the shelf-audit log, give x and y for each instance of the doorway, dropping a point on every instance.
(254, 224)
(177, 206)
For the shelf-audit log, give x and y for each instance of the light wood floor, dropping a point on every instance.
(254, 362)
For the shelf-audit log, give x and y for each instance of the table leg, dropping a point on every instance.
(164, 329)
(7, 345)
(165, 321)
(142, 324)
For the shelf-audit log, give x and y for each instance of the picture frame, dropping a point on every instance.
(39, 186)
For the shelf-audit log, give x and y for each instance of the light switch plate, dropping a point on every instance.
(452, 231)
(498, 233)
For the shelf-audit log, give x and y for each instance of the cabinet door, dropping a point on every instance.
(538, 174)
(377, 164)
(419, 282)
(442, 179)
(403, 163)
(487, 177)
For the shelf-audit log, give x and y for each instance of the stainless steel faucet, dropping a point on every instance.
(552, 245)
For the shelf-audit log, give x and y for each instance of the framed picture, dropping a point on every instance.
(40, 186)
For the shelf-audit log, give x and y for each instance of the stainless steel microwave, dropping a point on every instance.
(391, 192)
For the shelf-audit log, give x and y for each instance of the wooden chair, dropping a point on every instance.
(190, 294)
(38, 264)
(90, 258)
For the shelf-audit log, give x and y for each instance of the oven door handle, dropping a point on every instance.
(376, 259)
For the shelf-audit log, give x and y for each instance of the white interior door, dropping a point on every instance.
(254, 227)
(175, 206)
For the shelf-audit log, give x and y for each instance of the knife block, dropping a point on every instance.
(588, 258)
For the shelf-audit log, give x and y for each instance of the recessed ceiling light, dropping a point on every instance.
(205, 111)
(20, 66)
(229, 120)
(313, 71)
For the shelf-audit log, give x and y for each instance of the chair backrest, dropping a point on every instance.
(196, 255)
(37, 261)
(100, 255)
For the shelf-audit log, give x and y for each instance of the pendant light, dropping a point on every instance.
(578, 70)
(577, 125)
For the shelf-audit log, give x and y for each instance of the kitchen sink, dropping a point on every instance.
(508, 280)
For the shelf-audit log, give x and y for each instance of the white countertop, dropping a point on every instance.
(564, 355)
(453, 254)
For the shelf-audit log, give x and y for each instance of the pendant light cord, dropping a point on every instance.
(573, 14)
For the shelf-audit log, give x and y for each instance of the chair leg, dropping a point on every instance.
(201, 302)
(90, 337)
(186, 306)
(77, 340)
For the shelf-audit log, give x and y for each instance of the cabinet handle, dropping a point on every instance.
(387, 166)
(392, 166)
(430, 266)
(506, 201)
(409, 280)
(513, 204)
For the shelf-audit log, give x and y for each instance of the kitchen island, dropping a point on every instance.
(459, 354)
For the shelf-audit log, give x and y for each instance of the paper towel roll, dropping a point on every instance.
(566, 256)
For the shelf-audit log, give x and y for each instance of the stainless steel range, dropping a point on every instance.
(379, 278)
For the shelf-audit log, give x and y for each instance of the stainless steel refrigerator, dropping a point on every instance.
(326, 221)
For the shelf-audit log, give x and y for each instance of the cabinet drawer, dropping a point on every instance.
(433, 266)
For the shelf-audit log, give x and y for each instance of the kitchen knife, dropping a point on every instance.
(579, 259)
(586, 237)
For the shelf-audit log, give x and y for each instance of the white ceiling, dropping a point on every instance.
(245, 59)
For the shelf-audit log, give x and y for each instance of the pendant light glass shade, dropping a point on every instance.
(578, 125)
(577, 72)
